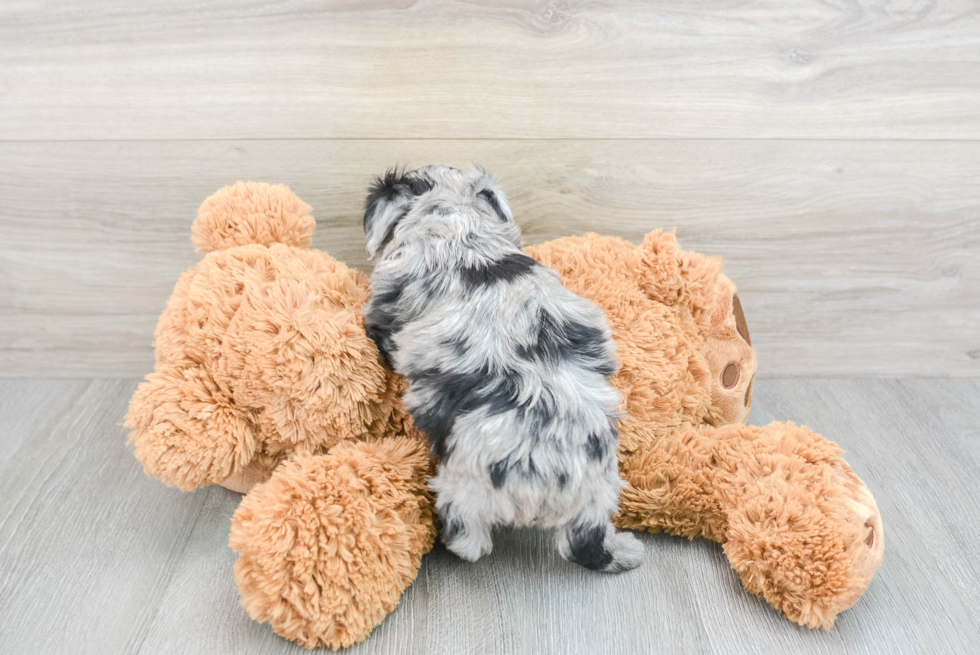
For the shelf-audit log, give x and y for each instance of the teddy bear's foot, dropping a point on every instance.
(805, 533)
(186, 431)
(327, 545)
(797, 524)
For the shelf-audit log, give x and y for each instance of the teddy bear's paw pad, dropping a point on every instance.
(867, 544)
(244, 479)
(327, 546)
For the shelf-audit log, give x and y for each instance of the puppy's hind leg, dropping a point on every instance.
(465, 513)
(588, 537)
(598, 547)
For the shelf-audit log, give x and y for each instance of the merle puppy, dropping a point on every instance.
(507, 370)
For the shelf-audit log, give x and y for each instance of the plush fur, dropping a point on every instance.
(262, 357)
(508, 370)
(797, 524)
(266, 382)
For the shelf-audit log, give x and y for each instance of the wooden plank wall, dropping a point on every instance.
(829, 151)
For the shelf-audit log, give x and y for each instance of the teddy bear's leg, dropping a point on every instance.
(804, 531)
(463, 506)
(797, 524)
(327, 546)
(187, 432)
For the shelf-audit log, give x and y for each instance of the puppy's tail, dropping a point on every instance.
(598, 547)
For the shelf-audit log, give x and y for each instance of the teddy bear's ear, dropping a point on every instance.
(702, 278)
(661, 277)
(252, 213)
(388, 202)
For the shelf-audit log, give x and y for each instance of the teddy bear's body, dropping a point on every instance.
(798, 525)
(267, 383)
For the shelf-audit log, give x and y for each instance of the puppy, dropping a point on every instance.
(508, 370)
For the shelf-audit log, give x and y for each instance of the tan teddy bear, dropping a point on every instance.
(266, 383)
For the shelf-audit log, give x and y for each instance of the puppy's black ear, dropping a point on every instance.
(388, 201)
(490, 193)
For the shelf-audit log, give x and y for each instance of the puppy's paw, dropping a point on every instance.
(470, 547)
(627, 552)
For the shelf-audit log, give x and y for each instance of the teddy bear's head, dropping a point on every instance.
(678, 326)
(727, 347)
(268, 336)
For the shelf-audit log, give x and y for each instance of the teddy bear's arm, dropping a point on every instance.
(799, 527)
(186, 431)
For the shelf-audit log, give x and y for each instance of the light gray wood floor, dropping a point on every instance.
(97, 558)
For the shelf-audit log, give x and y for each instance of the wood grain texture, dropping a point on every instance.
(86, 547)
(111, 69)
(853, 258)
(97, 558)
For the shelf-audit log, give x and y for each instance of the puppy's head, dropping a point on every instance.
(438, 198)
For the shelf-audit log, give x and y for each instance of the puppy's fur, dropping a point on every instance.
(508, 370)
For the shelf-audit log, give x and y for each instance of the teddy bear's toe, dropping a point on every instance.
(327, 545)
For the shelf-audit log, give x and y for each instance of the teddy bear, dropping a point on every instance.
(266, 383)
